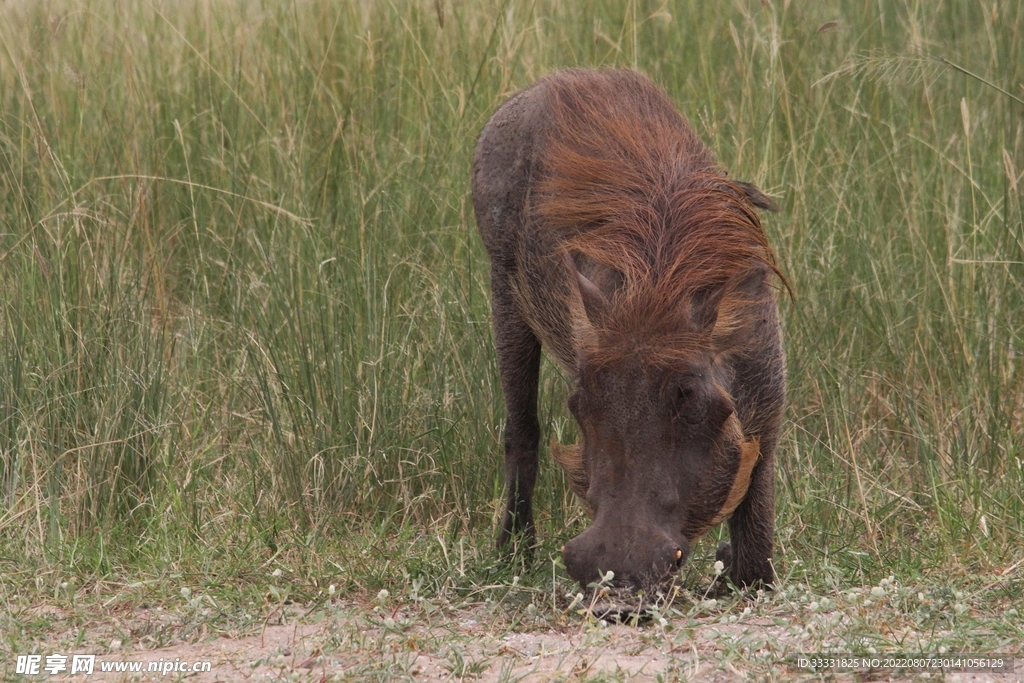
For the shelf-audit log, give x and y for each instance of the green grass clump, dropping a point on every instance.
(244, 311)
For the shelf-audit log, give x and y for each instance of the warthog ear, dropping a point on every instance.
(595, 303)
(706, 312)
(756, 197)
(571, 460)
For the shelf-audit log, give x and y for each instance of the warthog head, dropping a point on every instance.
(663, 456)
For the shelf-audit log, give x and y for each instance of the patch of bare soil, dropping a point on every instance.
(360, 641)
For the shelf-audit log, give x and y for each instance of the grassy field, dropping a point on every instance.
(246, 374)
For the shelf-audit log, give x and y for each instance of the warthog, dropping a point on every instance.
(617, 243)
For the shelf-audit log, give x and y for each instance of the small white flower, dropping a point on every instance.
(608, 576)
(383, 595)
(331, 589)
(719, 567)
(186, 592)
(878, 591)
(276, 573)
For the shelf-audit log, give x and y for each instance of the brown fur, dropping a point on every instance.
(618, 193)
(749, 454)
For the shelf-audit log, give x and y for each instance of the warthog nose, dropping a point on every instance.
(589, 556)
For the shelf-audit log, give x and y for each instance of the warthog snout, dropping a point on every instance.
(640, 559)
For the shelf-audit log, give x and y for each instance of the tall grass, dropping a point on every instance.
(242, 294)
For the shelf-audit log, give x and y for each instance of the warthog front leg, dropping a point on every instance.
(518, 351)
(748, 558)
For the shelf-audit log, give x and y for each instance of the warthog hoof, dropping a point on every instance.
(741, 577)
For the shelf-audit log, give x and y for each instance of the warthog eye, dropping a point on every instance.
(687, 404)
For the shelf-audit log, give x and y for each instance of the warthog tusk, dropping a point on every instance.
(679, 555)
(562, 550)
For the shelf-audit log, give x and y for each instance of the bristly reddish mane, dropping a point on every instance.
(625, 182)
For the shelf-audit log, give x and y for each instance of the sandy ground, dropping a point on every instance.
(352, 641)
